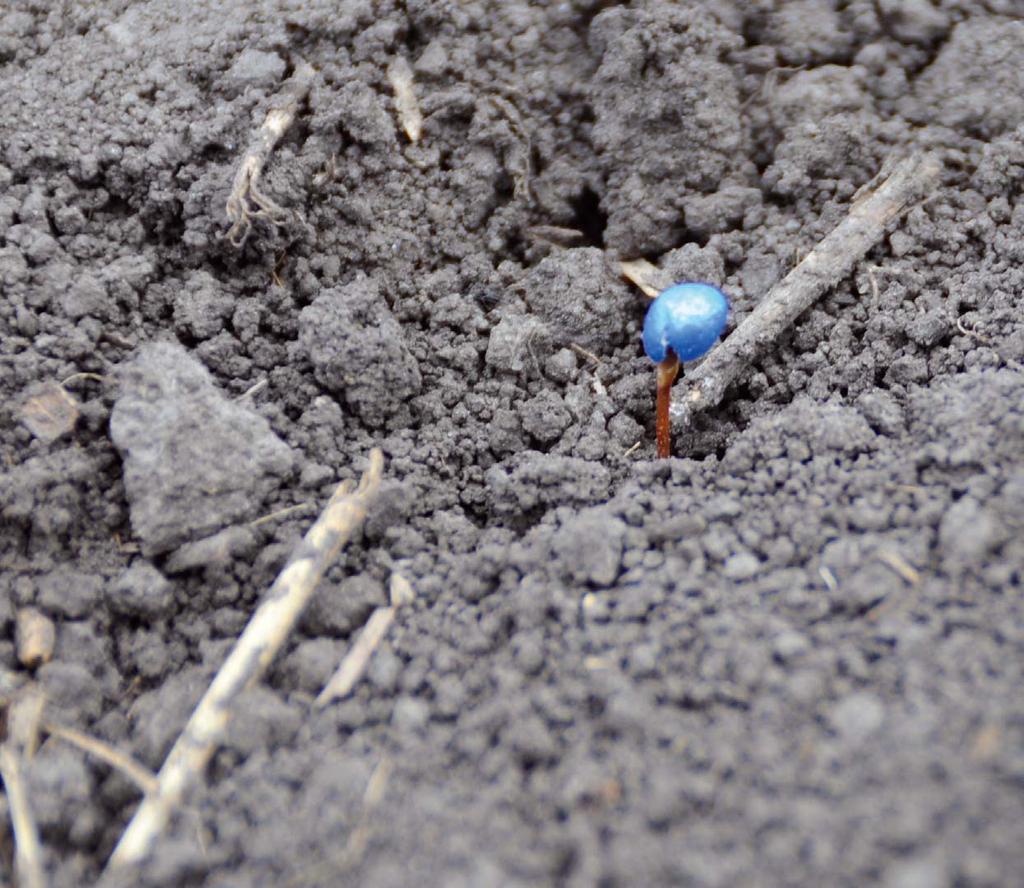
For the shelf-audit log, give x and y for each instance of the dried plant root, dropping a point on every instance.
(247, 199)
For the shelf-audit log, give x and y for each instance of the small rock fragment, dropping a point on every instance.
(410, 715)
(63, 791)
(545, 417)
(531, 480)
(858, 716)
(741, 566)
(789, 645)
(340, 609)
(218, 549)
(311, 664)
(69, 593)
(692, 263)
(692, 133)
(975, 84)
(914, 21)
(708, 214)
(141, 592)
(968, 532)
(883, 412)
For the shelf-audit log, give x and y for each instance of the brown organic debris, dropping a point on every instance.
(50, 411)
(409, 114)
(645, 275)
(34, 637)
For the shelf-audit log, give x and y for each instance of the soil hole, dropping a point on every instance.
(589, 218)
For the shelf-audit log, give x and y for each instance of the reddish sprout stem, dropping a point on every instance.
(666, 371)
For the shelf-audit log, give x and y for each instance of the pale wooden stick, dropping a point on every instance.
(246, 199)
(22, 727)
(140, 775)
(256, 647)
(327, 872)
(28, 859)
(356, 660)
(827, 264)
(645, 275)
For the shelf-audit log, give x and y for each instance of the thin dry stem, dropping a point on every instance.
(557, 236)
(74, 377)
(256, 647)
(827, 264)
(328, 871)
(645, 275)
(522, 171)
(352, 667)
(22, 732)
(584, 353)
(899, 564)
(28, 858)
(138, 773)
(279, 513)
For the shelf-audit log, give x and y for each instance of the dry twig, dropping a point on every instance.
(28, 857)
(827, 264)
(522, 167)
(328, 871)
(253, 652)
(279, 513)
(356, 660)
(899, 565)
(585, 353)
(138, 773)
(645, 275)
(247, 200)
(22, 727)
(355, 847)
(94, 377)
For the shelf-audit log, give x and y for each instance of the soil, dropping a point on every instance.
(791, 655)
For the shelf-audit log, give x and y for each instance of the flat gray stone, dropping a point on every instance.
(194, 461)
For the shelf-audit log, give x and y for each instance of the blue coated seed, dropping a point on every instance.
(686, 319)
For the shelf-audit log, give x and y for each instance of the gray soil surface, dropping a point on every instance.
(791, 655)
